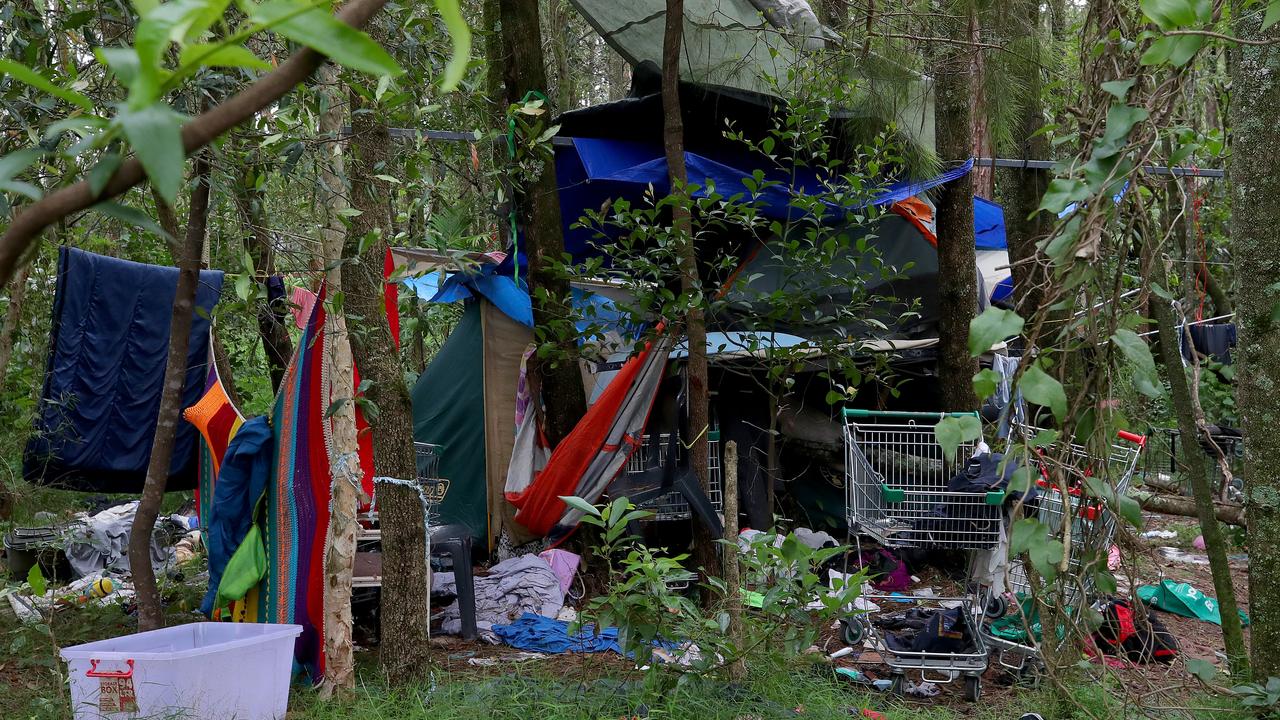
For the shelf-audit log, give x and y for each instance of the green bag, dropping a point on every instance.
(247, 566)
(1183, 599)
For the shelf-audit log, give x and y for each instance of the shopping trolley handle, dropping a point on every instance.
(1136, 439)
(861, 413)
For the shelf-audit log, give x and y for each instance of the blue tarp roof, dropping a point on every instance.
(591, 171)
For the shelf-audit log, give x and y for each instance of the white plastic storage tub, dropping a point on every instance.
(201, 671)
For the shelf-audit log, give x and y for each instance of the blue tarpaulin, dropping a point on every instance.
(102, 388)
(592, 171)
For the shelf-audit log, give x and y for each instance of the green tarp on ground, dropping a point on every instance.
(1183, 599)
(448, 410)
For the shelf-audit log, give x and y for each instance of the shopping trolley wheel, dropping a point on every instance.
(972, 688)
(997, 606)
(898, 685)
(852, 632)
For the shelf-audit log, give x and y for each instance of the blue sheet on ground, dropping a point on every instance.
(544, 634)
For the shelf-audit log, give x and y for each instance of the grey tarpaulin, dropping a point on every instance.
(512, 588)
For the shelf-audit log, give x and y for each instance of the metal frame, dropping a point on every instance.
(897, 476)
(673, 505)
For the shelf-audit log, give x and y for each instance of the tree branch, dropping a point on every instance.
(201, 131)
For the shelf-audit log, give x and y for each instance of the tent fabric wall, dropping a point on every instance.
(105, 375)
(505, 341)
(448, 410)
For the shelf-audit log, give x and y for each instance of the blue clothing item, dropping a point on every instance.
(105, 375)
(242, 481)
(545, 635)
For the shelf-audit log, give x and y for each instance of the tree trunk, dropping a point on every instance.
(566, 87)
(168, 221)
(251, 203)
(732, 577)
(12, 317)
(539, 217)
(150, 610)
(1229, 513)
(984, 176)
(957, 263)
(405, 586)
(1197, 467)
(1255, 184)
(345, 472)
(695, 323)
(1026, 226)
(619, 73)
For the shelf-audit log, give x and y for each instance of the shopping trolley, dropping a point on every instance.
(1062, 471)
(673, 505)
(897, 479)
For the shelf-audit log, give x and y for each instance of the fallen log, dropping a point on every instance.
(1229, 513)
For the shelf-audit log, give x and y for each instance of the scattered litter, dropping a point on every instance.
(564, 564)
(1161, 534)
(98, 588)
(492, 661)
(922, 690)
(868, 713)
(1185, 600)
(1176, 555)
(101, 541)
(567, 614)
(1198, 543)
(840, 653)
(1113, 558)
(882, 685)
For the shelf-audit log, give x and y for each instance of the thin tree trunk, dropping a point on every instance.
(1255, 184)
(225, 372)
(1197, 470)
(1027, 226)
(404, 567)
(539, 217)
(984, 177)
(150, 610)
(168, 221)
(695, 323)
(345, 470)
(557, 22)
(619, 73)
(732, 577)
(12, 317)
(251, 202)
(957, 263)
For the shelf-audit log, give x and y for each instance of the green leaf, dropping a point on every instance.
(102, 172)
(325, 34)
(122, 61)
(1202, 669)
(206, 55)
(133, 216)
(1120, 88)
(1170, 14)
(1273, 14)
(992, 326)
(1121, 119)
(986, 382)
(578, 503)
(1173, 50)
(1130, 510)
(1061, 193)
(14, 163)
(1032, 537)
(460, 38)
(1039, 388)
(1137, 352)
(1105, 582)
(951, 431)
(35, 578)
(155, 132)
(24, 74)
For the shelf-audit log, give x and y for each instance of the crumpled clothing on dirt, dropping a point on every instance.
(524, 584)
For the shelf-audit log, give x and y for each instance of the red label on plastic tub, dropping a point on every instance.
(116, 695)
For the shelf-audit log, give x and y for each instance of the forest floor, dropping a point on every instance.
(473, 680)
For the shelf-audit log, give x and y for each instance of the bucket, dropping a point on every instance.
(204, 671)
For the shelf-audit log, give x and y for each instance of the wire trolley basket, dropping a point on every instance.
(1061, 500)
(897, 484)
(673, 505)
(428, 456)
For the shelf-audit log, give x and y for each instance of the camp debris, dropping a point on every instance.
(1185, 600)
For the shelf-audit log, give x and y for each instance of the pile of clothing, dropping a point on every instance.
(931, 630)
